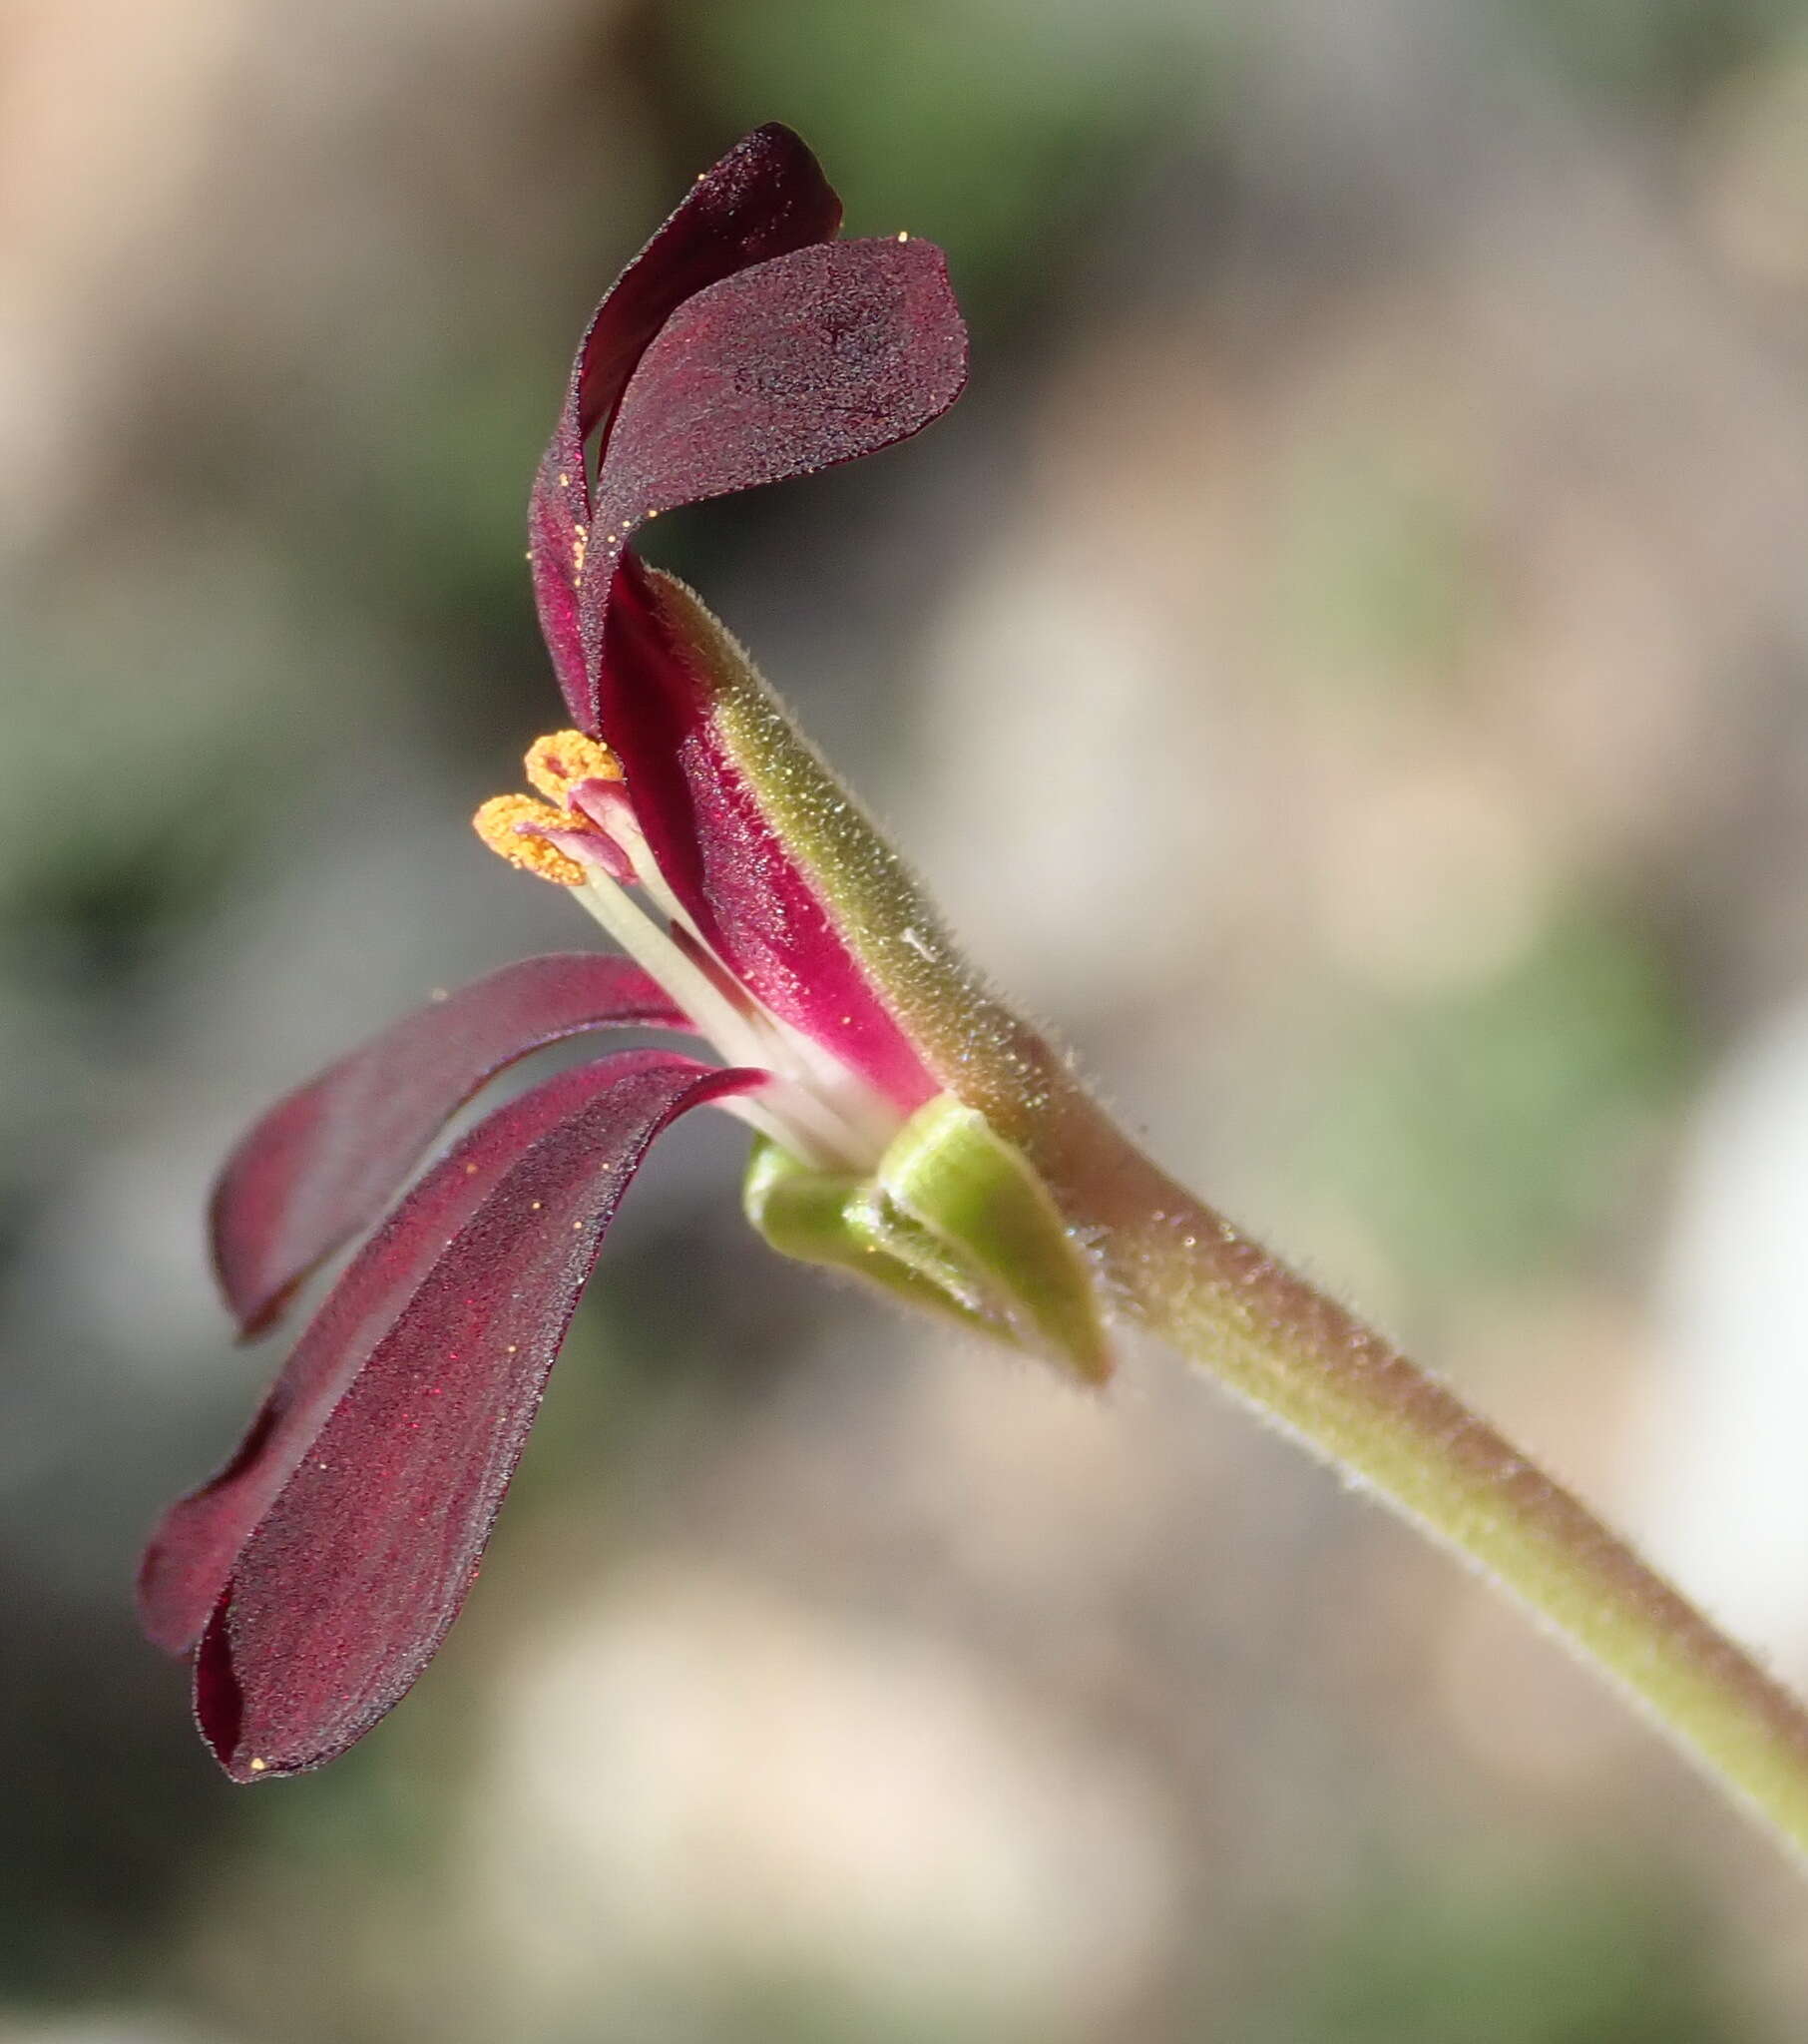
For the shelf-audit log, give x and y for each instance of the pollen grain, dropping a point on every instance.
(557, 762)
(511, 825)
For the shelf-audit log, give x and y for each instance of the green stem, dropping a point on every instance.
(1183, 1271)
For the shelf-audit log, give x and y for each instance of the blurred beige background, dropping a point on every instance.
(1342, 665)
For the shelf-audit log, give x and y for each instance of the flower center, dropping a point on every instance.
(583, 834)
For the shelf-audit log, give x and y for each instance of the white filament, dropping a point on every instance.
(848, 1132)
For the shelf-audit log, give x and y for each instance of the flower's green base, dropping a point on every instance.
(954, 1220)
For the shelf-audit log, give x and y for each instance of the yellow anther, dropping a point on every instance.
(560, 759)
(510, 824)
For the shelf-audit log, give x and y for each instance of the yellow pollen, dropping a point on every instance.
(563, 757)
(903, 238)
(509, 825)
(565, 481)
(258, 1767)
(580, 545)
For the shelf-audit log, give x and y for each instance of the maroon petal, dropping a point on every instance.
(767, 197)
(190, 1555)
(723, 854)
(353, 1577)
(812, 360)
(326, 1160)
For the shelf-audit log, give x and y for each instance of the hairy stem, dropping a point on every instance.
(1183, 1272)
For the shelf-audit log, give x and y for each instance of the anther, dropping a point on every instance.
(512, 826)
(557, 762)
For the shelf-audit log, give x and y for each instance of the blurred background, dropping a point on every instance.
(1344, 665)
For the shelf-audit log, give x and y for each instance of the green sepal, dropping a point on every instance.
(954, 1220)
(948, 1170)
(839, 1220)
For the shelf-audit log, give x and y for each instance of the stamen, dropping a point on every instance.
(585, 836)
(513, 826)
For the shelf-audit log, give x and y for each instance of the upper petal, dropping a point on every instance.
(327, 1158)
(793, 366)
(359, 1567)
(813, 359)
(767, 196)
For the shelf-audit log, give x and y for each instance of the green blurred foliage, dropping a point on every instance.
(1570, 1961)
(1656, 54)
(1490, 1133)
(1379, 580)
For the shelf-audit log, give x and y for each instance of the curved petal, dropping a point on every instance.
(767, 197)
(326, 1160)
(724, 788)
(191, 1554)
(354, 1573)
(796, 365)
(793, 366)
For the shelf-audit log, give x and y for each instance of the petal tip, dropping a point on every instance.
(221, 1712)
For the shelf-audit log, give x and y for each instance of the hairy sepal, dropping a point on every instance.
(956, 1220)
(784, 871)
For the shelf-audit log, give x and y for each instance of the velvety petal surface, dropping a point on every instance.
(798, 364)
(766, 197)
(687, 714)
(190, 1555)
(357, 1565)
(326, 1160)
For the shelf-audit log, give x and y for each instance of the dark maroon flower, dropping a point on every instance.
(318, 1572)
(909, 1128)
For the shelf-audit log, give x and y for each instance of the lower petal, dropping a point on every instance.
(356, 1569)
(191, 1554)
(326, 1160)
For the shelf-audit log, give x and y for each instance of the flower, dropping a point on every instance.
(908, 1128)
(316, 1573)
